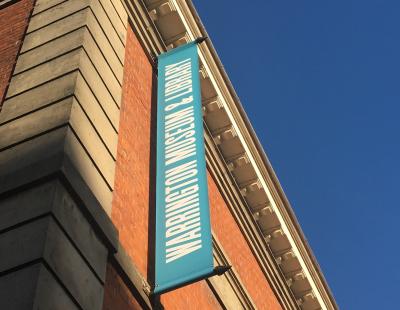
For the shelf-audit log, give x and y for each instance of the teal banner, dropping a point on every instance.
(183, 233)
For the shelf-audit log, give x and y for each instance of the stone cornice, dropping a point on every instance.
(247, 223)
(261, 205)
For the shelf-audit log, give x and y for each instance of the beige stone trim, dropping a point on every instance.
(67, 85)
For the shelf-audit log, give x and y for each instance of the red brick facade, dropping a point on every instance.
(17, 16)
(132, 202)
(117, 295)
(130, 211)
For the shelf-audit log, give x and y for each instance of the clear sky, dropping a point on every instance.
(320, 81)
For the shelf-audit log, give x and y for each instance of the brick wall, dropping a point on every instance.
(197, 296)
(13, 22)
(131, 186)
(117, 295)
(130, 208)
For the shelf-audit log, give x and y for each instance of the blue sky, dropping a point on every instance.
(320, 82)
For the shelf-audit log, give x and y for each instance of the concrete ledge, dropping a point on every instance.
(33, 287)
(59, 167)
(45, 220)
(51, 198)
(43, 240)
(51, 188)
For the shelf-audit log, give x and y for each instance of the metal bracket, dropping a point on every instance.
(220, 270)
(200, 39)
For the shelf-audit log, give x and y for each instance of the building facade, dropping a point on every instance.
(77, 167)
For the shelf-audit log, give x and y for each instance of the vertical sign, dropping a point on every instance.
(183, 233)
